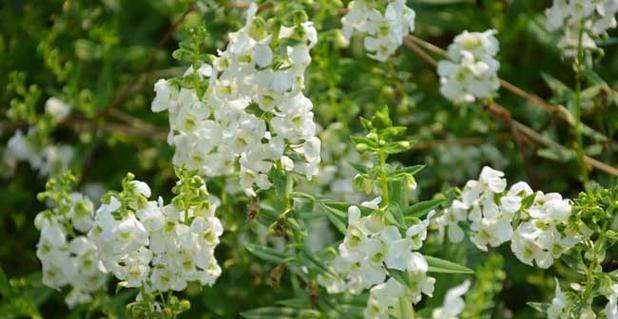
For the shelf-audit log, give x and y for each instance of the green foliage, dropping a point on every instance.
(409, 144)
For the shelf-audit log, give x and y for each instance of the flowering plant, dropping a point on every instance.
(309, 159)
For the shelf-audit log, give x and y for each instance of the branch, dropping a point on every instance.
(136, 81)
(555, 111)
(80, 126)
(501, 113)
(465, 141)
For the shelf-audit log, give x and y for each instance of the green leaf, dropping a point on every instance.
(381, 119)
(337, 217)
(448, 267)
(360, 168)
(361, 140)
(280, 182)
(308, 258)
(397, 147)
(294, 303)
(394, 214)
(5, 287)
(421, 209)
(266, 253)
(409, 169)
(559, 88)
(528, 201)
(398, 193)
(366, 124)
(575, 262)
(540, 307)
(591, 92)
(277, 313)
(401, 276)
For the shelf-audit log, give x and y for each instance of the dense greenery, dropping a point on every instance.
(384, 127)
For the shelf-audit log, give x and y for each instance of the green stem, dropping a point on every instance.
(578, 66)
(383, 179)
(405, 309)
(590, 272)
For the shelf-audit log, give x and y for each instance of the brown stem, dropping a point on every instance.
(555, 111)
(136, 81)
(502, 114)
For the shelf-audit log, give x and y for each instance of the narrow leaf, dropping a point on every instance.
(444, 266)
(421, 209)
(266, 253)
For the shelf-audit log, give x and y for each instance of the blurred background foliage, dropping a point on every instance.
(102, 58)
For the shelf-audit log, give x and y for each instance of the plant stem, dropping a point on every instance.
(578, 67)
(383, 179)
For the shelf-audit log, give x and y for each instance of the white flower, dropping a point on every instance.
(159, 248)
(129, 235)
(557, 14)
(19, 147)
(453, 304)
(162, 100)
(57, 109)
(382, 297)
(218, 134)
(55, 159)
(450, 219)
(142, 188)
(397, 252)
(152, 216)
(57, 269)
(287, 163)
(492, 232)
(471, 71)
(541, 235)
(76, 297)
(263, 55)
(611, 308)
(569, 16)
(67, 257)
(418, 232)
(493, 179)
(135, 268)
(558, 304)
(384, 31)
(81, 212)
(373, 204)
(528, 250)
(550, 207)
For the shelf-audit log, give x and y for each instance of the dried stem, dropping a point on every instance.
(136, 81)
(556, 111)
(502, 114)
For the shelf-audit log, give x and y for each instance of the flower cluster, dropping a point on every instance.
(143, 243)
(590, 18)
(253, 112)
(370, 248)
(471, 71)
(68, 257)
(382, 297)
(542, 233)
(565, 304)
(47, 158)
(155, 246)
(385, 26)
